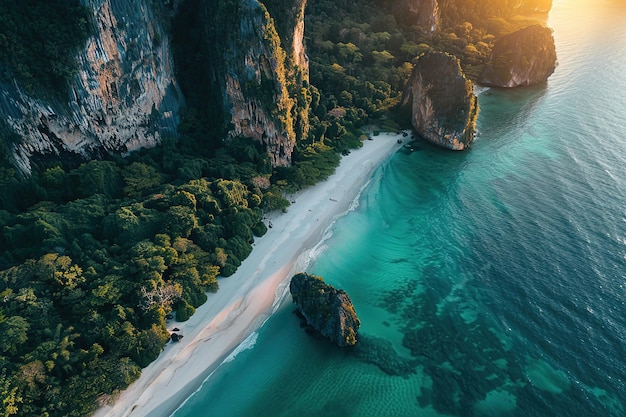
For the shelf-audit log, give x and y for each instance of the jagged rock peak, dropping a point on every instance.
(441, 101)
(326, 309)
(524, 57)
(123, 97)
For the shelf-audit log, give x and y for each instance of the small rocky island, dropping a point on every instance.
(326, 309)
(441, 101)
(521, 58)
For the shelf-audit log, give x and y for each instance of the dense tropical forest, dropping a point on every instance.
(94, 255)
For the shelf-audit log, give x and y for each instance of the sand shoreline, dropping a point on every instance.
(246, 299)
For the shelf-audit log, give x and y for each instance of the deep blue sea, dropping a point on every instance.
(490, 282)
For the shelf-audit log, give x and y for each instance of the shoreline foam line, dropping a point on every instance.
(246, 299)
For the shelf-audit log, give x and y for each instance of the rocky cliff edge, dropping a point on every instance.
(261, 71)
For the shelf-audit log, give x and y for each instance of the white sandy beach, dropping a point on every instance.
(244, 300)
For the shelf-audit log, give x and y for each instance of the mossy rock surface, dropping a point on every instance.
(326, 309)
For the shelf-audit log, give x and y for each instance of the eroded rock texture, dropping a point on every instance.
(422, 13)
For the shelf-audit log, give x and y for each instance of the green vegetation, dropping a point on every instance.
(88, 278)
(93, 258)
(38, 40)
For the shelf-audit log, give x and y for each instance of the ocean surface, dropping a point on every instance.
(490, 282)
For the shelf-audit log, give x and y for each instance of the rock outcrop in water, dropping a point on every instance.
(123, 97)
(326, 309)
(524, 57)
(441, 101)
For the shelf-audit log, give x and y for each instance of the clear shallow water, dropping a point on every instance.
(490, 282)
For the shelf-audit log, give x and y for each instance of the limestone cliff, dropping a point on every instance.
(260, 72)
(326, 309)
(441, 101)
(124, 96)
(525, 57)
(421, 13)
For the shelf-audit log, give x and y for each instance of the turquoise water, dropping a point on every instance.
(488, 283)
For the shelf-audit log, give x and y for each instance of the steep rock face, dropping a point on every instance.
(123, 97)
(422, 13)
(441, 101)
(289, 20)
(525, 57)
(326, 309)
(262, 72)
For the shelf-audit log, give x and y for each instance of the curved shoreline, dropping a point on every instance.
(246, 299)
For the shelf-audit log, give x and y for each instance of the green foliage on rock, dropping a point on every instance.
(326, 309)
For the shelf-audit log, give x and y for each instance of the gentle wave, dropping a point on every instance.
(247, 344)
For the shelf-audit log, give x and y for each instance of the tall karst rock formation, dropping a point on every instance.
(441, 102)
(124, 95)
(524, 57)
(259, 67)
